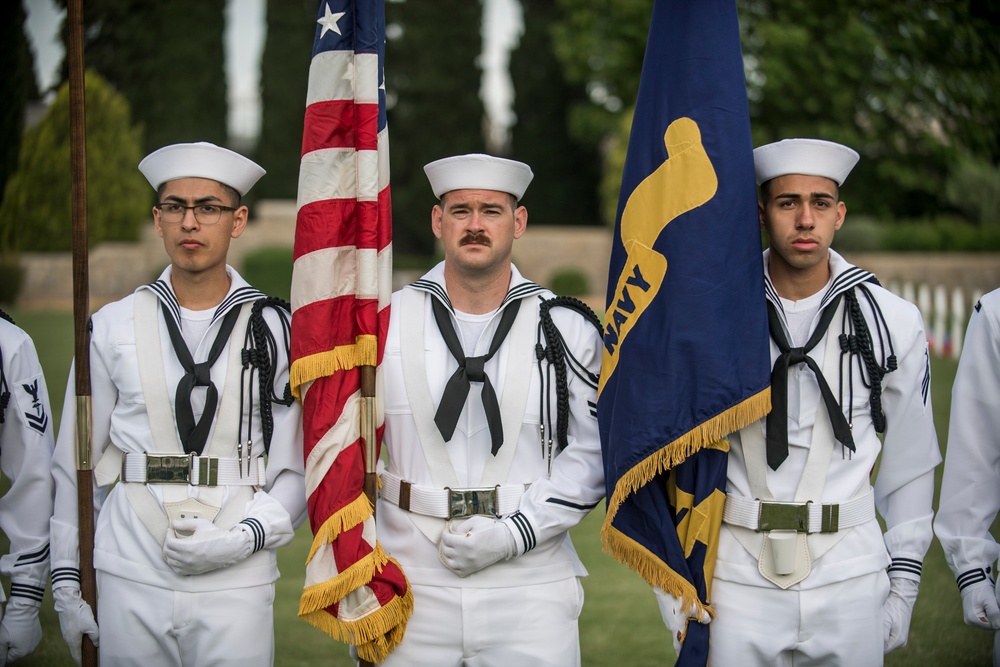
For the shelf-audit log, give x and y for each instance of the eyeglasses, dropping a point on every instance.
(205, 214)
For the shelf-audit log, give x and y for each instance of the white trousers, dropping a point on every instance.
(147, 626)
(839, 625)
(493, 627)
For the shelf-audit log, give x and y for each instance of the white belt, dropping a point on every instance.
(451, 503)
(806, 517)
(193, 470)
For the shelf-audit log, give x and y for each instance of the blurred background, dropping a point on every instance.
(911, 84)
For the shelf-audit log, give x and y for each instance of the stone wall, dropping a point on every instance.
(117, 268)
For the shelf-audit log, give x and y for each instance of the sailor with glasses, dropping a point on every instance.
(192, 417)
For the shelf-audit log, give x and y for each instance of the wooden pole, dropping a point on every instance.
(368, 427)
(368, 418)
(81, 314)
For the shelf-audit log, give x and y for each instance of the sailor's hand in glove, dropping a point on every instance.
(897, 611)
(979, 604)
(676, 615)
(76, 619)
(197, 546)
(20, 630)
(475, 543)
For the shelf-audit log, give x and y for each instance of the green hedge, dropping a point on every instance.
(270, 271)
(936, 235)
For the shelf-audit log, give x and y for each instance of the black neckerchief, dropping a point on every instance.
(194, 436)
(777, 419)
(470, 369)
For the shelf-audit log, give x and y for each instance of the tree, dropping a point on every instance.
(911, 84)
(291, 26)
(432, 84)
(36, 210)
(167, 59)
(601, 44)
(567, 170)
(17, 86)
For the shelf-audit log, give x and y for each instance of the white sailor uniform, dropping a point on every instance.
(148, 612)
(518, 611)
(25, 457)
(826, 606)
(970, 488)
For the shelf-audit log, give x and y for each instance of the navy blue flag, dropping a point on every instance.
(686, 358)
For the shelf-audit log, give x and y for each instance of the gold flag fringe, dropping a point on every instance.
(364, 352)
(707, 434)
(747, 411)
(322, 595)
(643, 562)
(347, 517)
(375, 634)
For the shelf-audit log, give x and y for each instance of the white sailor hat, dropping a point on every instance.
(200, 160)
(477, 171)
(811, 157)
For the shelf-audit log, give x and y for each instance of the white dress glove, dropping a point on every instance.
(676, 615)
(20, 630)
(76, 619)
(897, 610)
(979, 604)
(475, 543)
(202, 546)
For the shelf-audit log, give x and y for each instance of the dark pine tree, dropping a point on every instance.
(17, 86)
(167, 58)
(567, 172)
(432, 83)
(291, 26)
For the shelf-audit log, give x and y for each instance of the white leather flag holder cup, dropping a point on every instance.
(782, 545)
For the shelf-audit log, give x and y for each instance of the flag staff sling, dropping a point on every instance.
(81, 307)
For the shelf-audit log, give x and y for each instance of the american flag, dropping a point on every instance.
(341, 285)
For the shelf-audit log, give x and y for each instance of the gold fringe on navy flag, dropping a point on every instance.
(686, 357)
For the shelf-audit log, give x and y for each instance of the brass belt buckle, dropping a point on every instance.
(168, 469)
(783, 516)
(179, 469)
(469, 502)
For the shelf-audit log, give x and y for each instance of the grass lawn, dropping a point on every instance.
(620, 622)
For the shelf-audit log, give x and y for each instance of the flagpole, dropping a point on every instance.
(368, 430)
(368, 420)
(81, 307)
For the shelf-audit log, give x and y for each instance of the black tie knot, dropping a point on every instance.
(202, 374)
(796, 355)
(475, 368)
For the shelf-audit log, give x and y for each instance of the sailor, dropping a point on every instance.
(192, 416)
(970, 488)
(490, 428)
(26, 459)
(800, 544)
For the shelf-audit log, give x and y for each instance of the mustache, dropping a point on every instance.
(475, 237)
